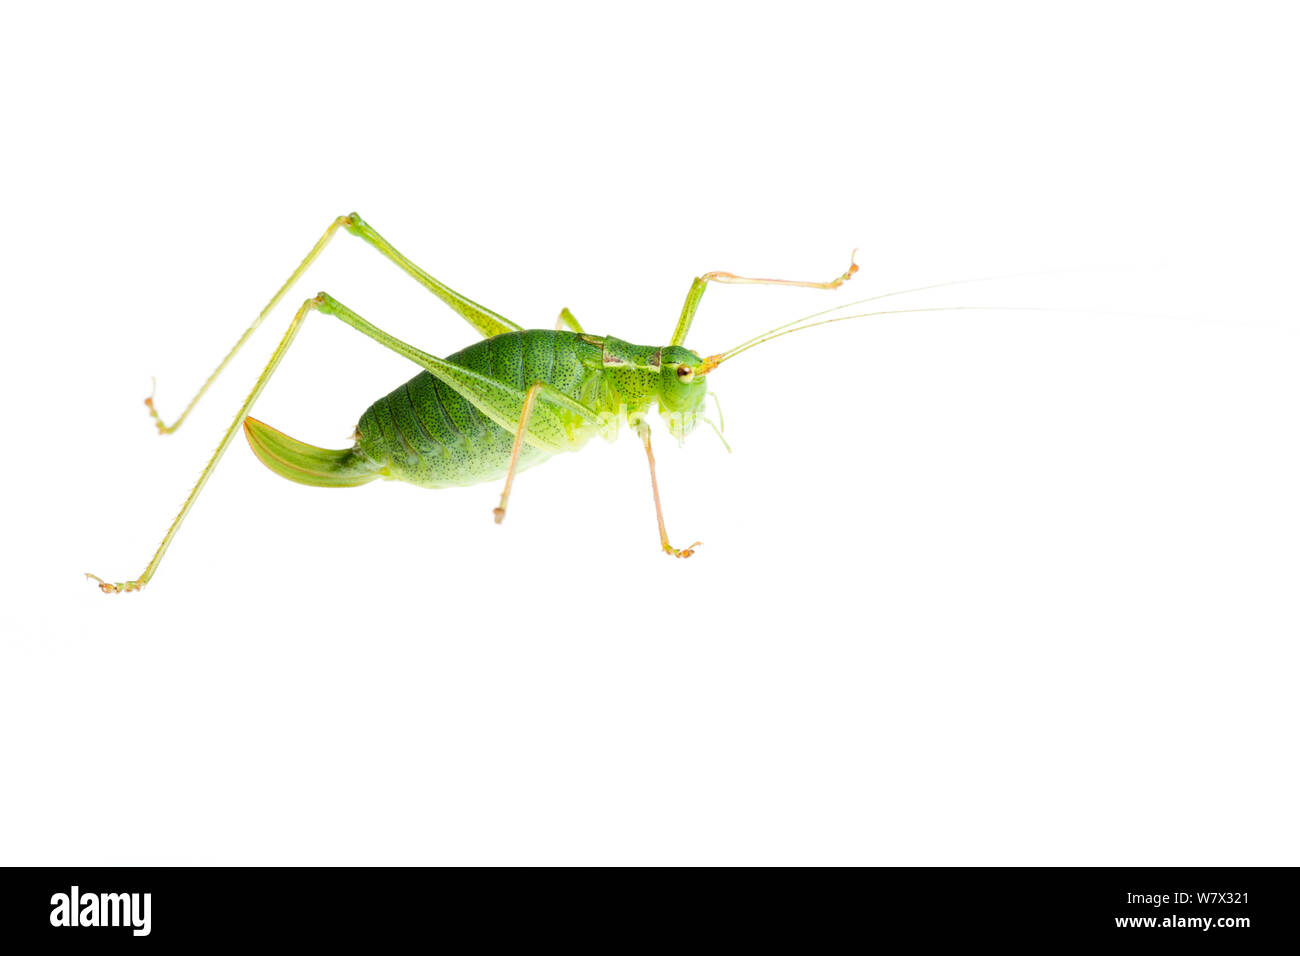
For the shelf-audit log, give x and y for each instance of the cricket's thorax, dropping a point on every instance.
(427, 434)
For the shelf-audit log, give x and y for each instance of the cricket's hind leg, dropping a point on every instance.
(486, 322)
(136, 584)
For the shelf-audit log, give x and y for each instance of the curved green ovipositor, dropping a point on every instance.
(307, 464)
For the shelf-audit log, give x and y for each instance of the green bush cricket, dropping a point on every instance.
(505, 403)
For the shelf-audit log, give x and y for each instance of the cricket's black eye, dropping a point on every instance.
(685, 373)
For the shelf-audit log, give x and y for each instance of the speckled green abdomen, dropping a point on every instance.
(426, 434)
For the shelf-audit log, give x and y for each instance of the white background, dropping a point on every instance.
(976, 587)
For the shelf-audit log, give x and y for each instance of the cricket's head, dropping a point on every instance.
(681, 389)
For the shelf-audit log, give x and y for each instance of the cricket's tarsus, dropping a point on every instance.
(109, 588)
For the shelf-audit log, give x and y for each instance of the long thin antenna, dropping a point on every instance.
(919, 288)
(713, 361)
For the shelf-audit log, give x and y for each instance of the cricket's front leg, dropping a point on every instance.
(699, 285)
(643, 432)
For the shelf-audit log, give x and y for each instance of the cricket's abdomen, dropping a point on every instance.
(426, 434)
